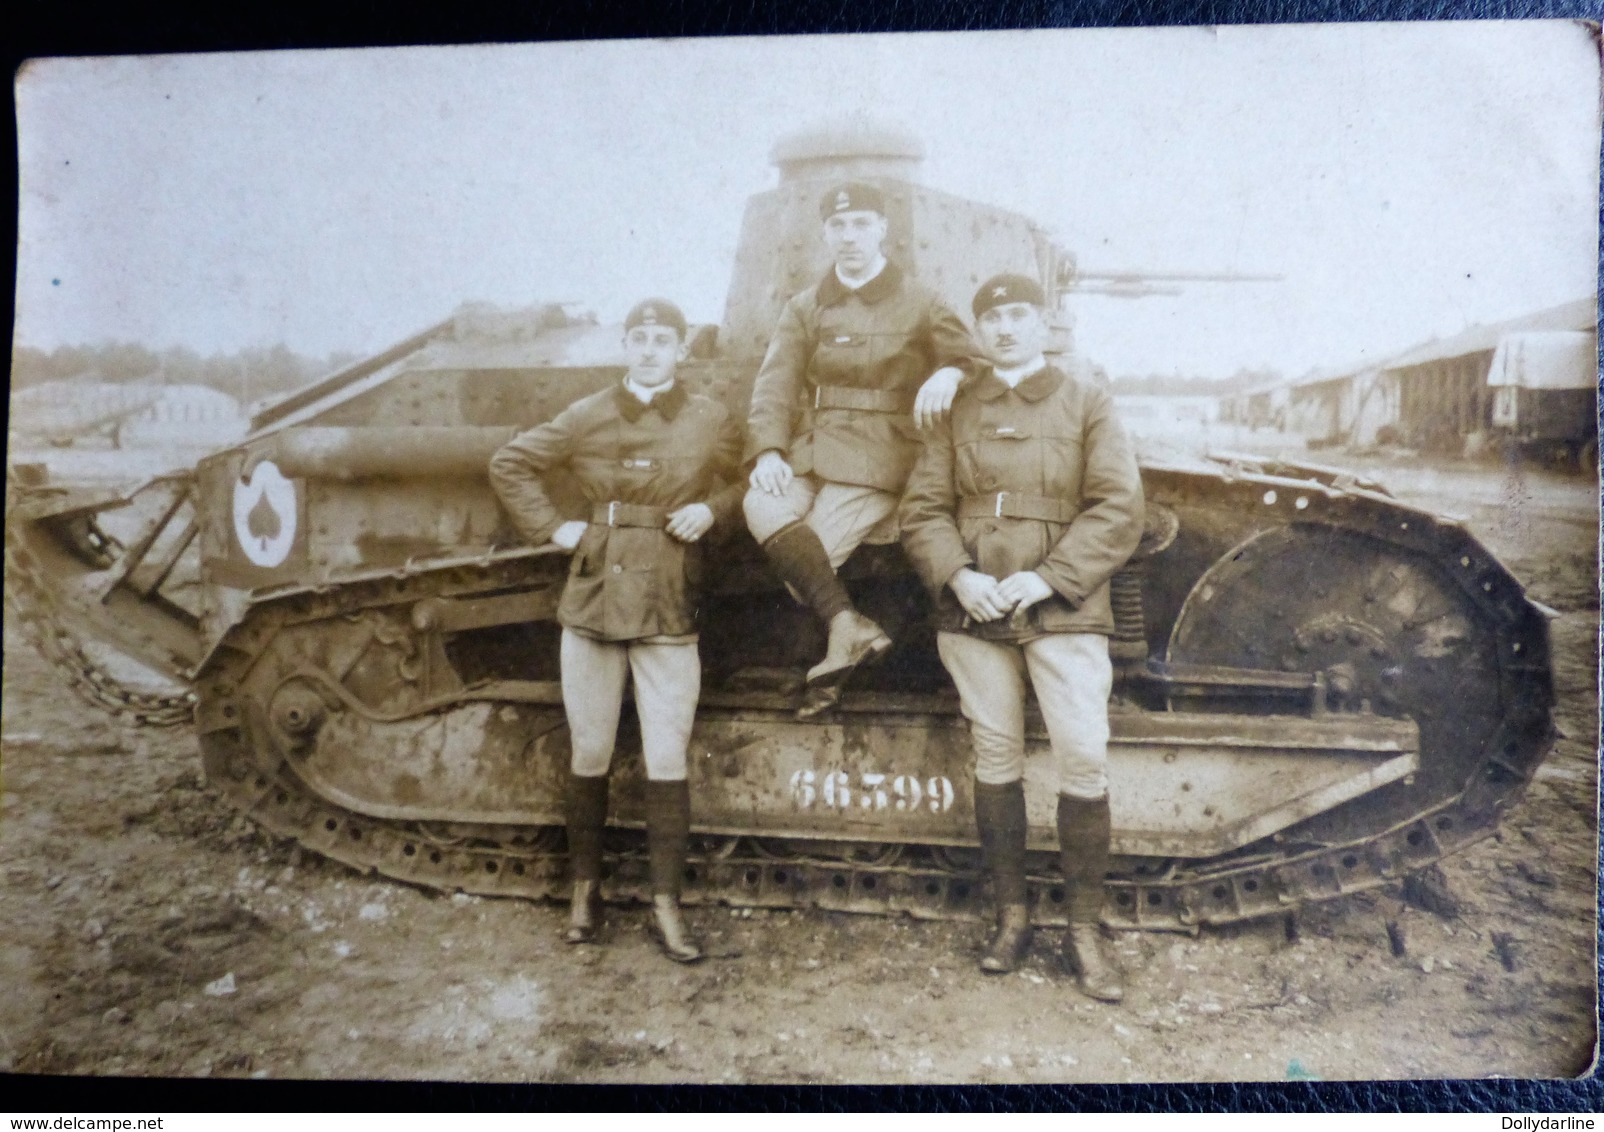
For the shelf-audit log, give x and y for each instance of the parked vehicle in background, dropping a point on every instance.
(1545, 394)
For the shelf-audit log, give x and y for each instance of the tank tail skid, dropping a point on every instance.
(70, 583)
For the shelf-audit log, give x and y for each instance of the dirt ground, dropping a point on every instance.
(145, 930)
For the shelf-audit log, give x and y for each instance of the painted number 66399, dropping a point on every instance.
(836, 790)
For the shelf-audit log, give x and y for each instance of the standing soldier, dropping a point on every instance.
(856, 362)
(1020, 509)
(649, 457)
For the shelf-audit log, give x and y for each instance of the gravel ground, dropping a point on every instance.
(149, 931)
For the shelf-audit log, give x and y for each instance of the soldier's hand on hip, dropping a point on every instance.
(1024, 589)
(980, 595)
(935, 396)
(771, 473)
(690, 522)
(568, 535)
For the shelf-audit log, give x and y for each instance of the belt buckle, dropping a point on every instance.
(1000, 495)
(612, 511)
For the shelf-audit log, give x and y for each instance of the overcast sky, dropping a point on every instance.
(1407, 180)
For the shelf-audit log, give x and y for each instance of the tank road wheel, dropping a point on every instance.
(776, 848)
(877, 854)
(1390, 630)
(957, 858)
(713, 847)
(538, 839)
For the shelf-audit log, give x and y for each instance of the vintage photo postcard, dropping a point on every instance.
(1062, 556)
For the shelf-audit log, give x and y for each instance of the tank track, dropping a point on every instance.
(32, 600)
(1265, 879)
(740, 872)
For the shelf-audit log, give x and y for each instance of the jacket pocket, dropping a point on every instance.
(839, 356)
(591, 553)
(694, 568)
(1064, 460)
(998, 457)
(677, 567)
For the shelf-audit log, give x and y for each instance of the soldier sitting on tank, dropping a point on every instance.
(659, 465)
(1021, 507)
(856, 362)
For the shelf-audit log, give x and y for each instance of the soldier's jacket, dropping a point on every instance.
(887, 337)
(1054, 448)
(632, 580)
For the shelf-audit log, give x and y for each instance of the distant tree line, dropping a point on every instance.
(246, 375)
(251, 374)
(1178, 385)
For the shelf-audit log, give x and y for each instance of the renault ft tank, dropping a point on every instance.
(1319, 689)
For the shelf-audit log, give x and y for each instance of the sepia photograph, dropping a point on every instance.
(1057, 556)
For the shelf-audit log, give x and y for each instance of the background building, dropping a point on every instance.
(1439, 396)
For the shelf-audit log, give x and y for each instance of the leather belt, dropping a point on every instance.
(616, 514)
(1017, 505)
(864, 400)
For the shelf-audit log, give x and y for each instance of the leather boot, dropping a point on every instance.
(1083, 955)
(587, 817)
(1083, 840)
(1010, 943)
(668, 830)
(853, 639)
(801, 561)
(1000, 819)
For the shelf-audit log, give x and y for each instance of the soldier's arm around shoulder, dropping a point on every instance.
(928, 512)
(1104, 535)
(950, 341)
(778, 384)
(518, 467)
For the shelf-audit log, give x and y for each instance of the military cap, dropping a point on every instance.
(1001, 289)
(853, 196)
(655, 312)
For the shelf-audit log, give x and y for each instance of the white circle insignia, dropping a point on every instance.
(264, 515)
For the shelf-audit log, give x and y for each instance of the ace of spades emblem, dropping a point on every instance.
(265, 515)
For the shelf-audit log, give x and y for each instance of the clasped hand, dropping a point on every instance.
(986, 599)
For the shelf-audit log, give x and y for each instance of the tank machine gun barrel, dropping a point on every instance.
(1320, 688)
(1136, 284)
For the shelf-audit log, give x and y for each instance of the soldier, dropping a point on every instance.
(649, 457)
(1020, 509)
(855, 363)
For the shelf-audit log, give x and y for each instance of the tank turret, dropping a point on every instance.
(947, 242)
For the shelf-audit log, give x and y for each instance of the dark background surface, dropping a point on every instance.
(40, 28)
